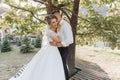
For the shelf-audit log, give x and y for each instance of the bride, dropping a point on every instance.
(47, 63)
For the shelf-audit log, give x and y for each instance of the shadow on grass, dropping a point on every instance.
(90, 71)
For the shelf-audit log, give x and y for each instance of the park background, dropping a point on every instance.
(95, 25)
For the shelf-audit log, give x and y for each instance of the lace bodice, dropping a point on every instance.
(46, 38)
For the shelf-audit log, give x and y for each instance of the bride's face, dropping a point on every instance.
(53, 23)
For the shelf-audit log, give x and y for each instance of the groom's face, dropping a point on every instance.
(58, 16)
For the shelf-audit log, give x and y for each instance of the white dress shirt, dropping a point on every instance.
(65, 33)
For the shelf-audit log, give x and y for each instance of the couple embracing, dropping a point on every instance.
(50, 61)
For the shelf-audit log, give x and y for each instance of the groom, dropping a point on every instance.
(66, 36)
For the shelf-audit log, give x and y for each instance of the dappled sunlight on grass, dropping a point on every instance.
(107, 59)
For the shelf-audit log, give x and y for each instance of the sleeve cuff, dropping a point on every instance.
(63, 43)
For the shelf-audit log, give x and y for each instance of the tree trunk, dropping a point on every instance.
(73, 22)
(49, 6)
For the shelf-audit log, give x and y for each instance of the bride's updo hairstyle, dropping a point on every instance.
(49, 17)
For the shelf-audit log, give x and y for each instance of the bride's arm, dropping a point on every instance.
(55, 38)
(56, 41)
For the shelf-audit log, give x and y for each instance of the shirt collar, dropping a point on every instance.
(61, 21)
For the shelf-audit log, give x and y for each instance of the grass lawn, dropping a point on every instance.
(107, 59)
(11, 61)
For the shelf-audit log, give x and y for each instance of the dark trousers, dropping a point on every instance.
(64, 52)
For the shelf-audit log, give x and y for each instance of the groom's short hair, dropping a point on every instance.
(55, 11)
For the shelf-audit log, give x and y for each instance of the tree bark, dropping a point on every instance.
(49, 6)
(73, 22)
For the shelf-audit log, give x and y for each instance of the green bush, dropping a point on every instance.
(5, 45)
(10, 37)
(38, 41)
(32, 42)
(18, 42)
(26, 47)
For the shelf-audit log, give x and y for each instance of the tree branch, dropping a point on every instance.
(42, 2)
(27, 11)
(78, 16)
(63, 4)
(59, 8)
(56, 7)
(84, 33)
(83, 19)
(65, 13)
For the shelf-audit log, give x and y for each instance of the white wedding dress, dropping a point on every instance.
(45, 65)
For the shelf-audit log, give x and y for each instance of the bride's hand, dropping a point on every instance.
(53, 43)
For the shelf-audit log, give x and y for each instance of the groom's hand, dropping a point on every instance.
(59, 44)
(53, 43)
